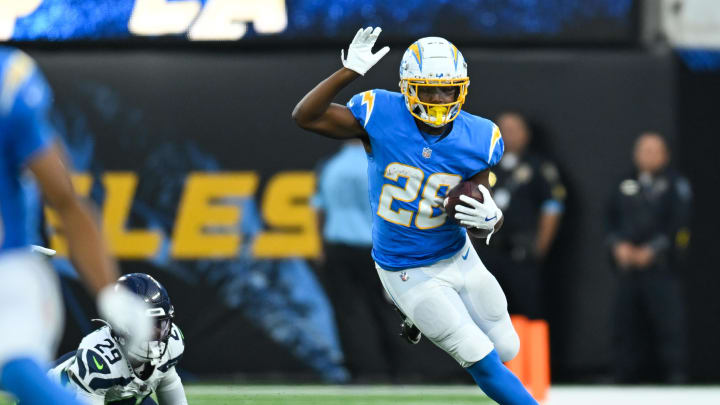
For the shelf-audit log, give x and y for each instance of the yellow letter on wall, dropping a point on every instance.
(286, 205)
(200, 214)
(82, 183)
(125, 244)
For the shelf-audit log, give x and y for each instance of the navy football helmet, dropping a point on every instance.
(160, 310)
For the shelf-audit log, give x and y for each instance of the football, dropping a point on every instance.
(453, 199)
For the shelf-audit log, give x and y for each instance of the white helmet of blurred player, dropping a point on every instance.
(433, 62)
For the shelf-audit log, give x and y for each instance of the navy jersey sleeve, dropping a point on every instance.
(25, 99)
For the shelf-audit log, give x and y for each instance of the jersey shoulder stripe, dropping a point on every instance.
(82, 370)
(485, 137)
(375, 104)
(105, 383)
(76, 381)
(100, 355)
(170, 363)
(96, 363)
(362, 105)
(494, 141)
(16, 71)
(368, 100)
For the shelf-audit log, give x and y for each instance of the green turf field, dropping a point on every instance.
(326, 395)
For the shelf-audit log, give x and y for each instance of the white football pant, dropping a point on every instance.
(31, 309)
(457, 304)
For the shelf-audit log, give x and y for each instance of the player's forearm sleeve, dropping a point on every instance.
(171, 391)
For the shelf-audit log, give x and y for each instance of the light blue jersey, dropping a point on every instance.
(342, 187)
(409, 173)
(25, 100)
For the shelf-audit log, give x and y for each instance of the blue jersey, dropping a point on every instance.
(25, 100)
(409, 173)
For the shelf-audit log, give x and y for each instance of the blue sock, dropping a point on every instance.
(498, 382)
(25, 379)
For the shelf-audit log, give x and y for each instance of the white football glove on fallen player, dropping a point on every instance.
(125, 312)
(483, 215)
(360, 57)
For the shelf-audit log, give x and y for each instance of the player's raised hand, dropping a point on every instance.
(125, 312)
(360, 57)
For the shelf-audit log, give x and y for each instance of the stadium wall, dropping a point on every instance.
(696, 152)
(173, 133)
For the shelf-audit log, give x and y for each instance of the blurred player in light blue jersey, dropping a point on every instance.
(420, 144)
(31, 313)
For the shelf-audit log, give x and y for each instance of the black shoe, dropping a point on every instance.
(407, 330)
(410, 332)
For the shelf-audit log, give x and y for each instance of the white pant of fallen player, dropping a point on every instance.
(655, 395)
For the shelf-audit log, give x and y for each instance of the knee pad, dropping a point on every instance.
(508, 346)
(436, 318)
(467, 345)
(486, 299)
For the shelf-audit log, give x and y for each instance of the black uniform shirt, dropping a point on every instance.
(651, 210)
(526, 187)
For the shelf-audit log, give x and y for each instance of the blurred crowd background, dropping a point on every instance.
(175, 116)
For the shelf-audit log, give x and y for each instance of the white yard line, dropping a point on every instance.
(559, 395)
(314, 390)
(613, 395)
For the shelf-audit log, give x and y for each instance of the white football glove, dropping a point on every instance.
(125, 312)
(483, 215)
(360, 57)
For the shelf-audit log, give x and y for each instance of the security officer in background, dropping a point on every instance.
(648, 221)
(528, 190)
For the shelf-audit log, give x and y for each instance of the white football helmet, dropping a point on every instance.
(433, 61)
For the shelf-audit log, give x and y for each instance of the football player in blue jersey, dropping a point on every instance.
(31, 313)
(419, 144)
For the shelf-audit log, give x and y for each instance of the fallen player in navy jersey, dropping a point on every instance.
(108, 369)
